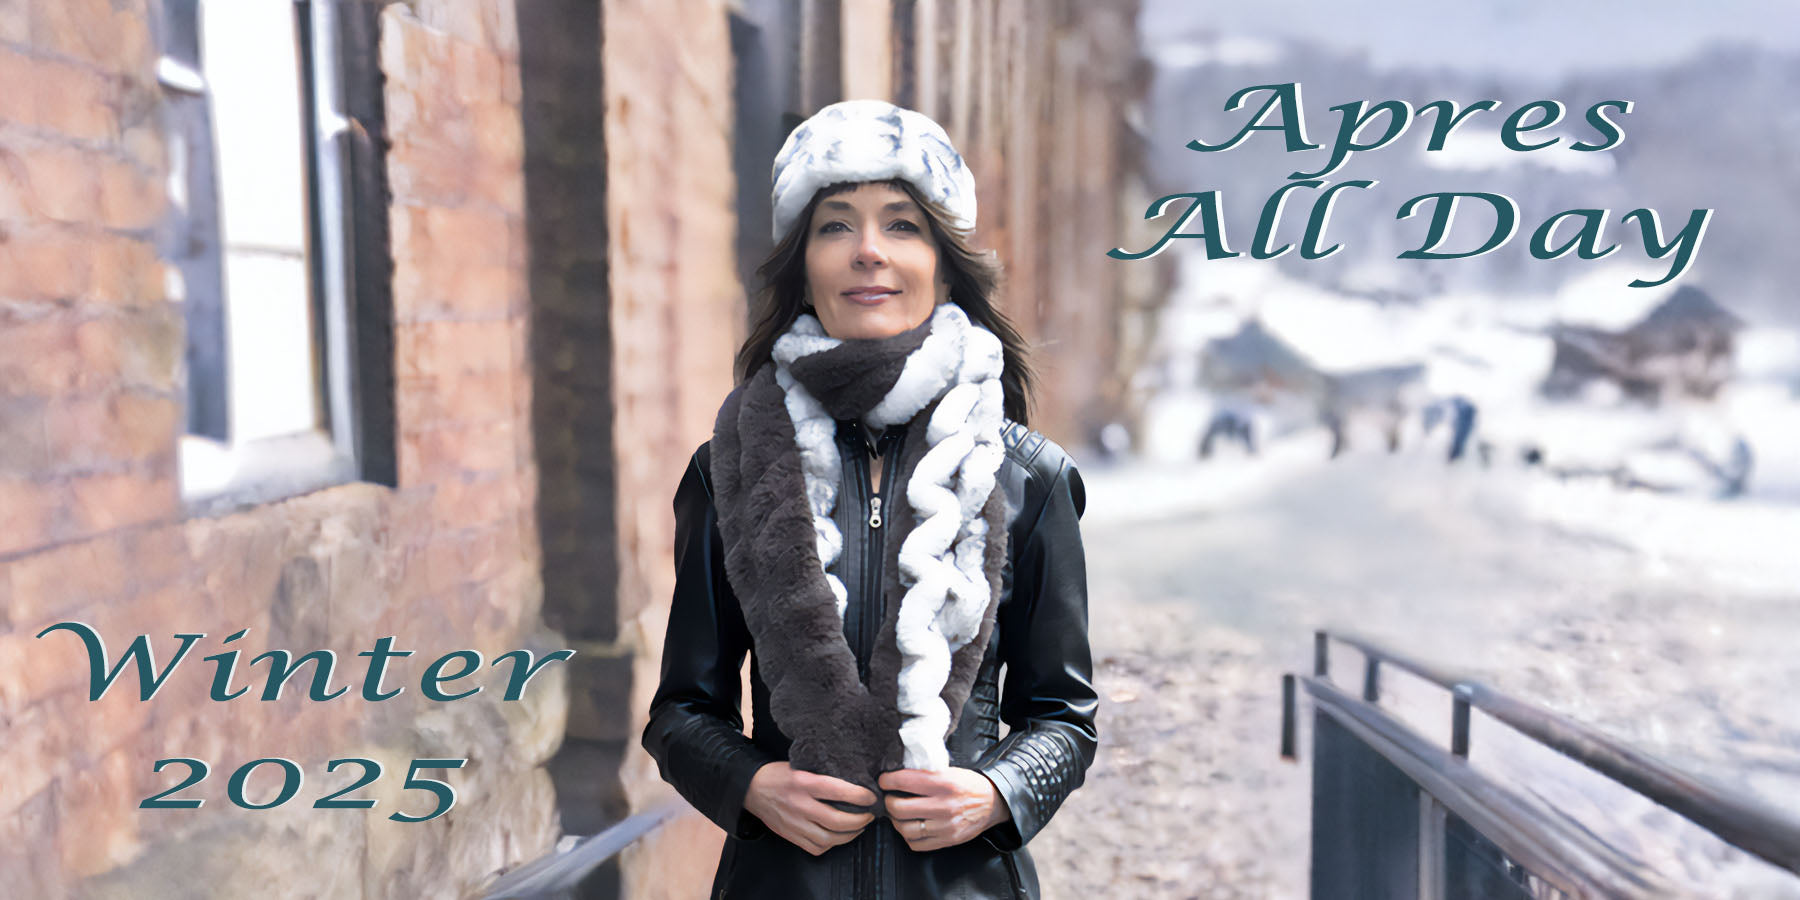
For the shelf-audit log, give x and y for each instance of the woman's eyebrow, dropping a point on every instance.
(844, 205)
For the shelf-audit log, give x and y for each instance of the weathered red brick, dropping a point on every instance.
(461, 23)
(100, 801)
(15, 21)
(28, 513)
(434, 235)
(111, 34)
(39, 746)
(158, 557)
(508, 601)
(62, 184)
(139, 349)
(74, 426)
(154, 348)
(451, 347)
(411, 584)
(26, 834)
(422, 170)
(13, 205)
(241, 562)
(436, 453)
(97, 346)
(18, 103)
(489, 290)
(81, 106)
(125, 272)
(102, 502)
(130, 198)
(475, 73)
(145, 424)
(477, 234)
(158, 616)
(471, 556)
(6, 604)
(40, 263)
(71, 100)
(24, 445)
(499, 185)
(185, 721)
(33, 668)
(471, 501)
(143, 143)
(66, 577)
(454, 266)
(437, 400)
(120, 428)
(412, 51)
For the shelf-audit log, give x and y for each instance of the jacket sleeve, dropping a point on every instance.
(695, 731)
(1048, 702)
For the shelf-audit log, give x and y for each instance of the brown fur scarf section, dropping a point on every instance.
(815, 694)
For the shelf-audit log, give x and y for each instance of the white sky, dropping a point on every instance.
(1520, 38)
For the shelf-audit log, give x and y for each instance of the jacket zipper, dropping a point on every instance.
(873, 609)
(873, 612)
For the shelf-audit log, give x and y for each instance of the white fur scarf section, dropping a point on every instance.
(941, 557)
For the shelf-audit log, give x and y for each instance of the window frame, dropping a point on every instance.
(349, 261)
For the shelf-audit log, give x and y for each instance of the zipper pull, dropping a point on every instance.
(874, 512)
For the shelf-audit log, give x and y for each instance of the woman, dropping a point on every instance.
(873, 523)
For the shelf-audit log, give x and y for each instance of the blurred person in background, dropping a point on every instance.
(875, 525)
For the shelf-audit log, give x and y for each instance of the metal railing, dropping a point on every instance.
(1396, 816)
(572, 873)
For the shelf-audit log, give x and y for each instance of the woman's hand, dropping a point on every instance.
(953, 806)
(791, 803)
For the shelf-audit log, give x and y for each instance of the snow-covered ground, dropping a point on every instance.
(1494, 350)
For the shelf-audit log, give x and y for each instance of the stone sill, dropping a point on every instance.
(219, 479)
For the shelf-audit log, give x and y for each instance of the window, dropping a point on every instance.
(765, 108)
(821, 54)
(279, 236)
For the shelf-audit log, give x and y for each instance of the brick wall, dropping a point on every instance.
(678, 313)
(1035, 94)
(92, 527)
(995, 68)
(566, 305)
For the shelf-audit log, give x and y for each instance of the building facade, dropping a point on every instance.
(332, 321)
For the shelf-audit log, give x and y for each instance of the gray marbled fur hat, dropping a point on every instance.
(870, 140)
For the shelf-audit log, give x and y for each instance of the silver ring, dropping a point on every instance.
(921, 827)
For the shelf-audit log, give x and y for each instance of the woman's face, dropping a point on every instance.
(871, 263)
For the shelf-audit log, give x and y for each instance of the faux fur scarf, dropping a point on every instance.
(776, 472)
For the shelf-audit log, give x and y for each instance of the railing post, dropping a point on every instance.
(1288, 714)
(1372, 678)
(1432, 817)
(1459, 722)
(1321, 642)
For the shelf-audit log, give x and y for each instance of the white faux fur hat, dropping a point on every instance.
(870, 140)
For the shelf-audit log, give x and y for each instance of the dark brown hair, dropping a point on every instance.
(974, 278)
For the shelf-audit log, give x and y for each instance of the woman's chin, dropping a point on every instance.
(869, 325)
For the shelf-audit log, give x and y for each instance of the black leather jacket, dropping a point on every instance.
(696, 734)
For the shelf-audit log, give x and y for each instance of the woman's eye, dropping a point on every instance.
(830, 227)
(904, 225)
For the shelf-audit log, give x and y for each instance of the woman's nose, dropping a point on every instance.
(869, 251)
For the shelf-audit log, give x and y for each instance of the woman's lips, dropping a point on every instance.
(869, 297)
